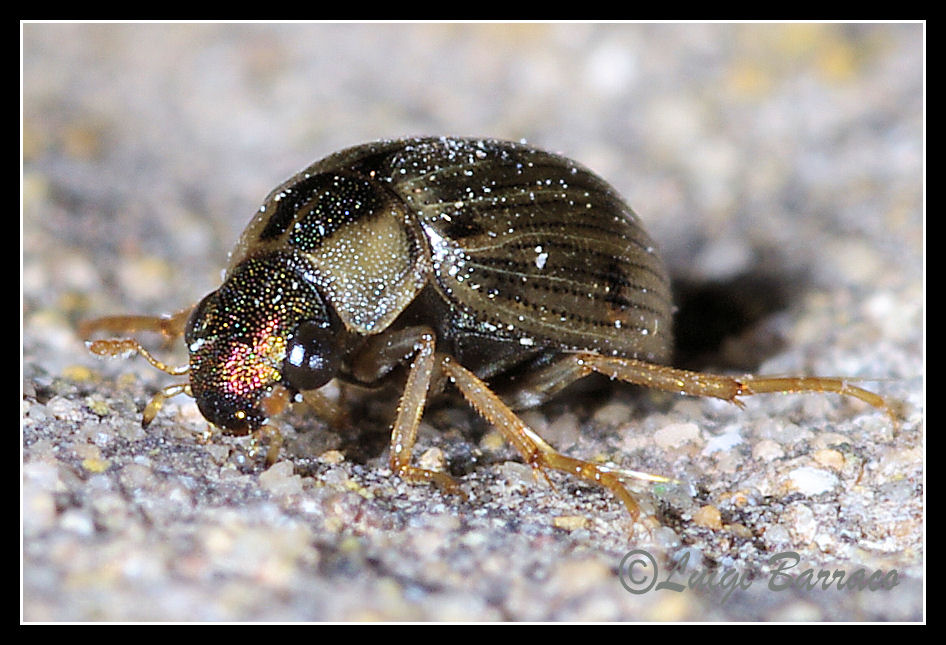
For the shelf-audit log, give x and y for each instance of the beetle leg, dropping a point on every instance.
(409, 410)
(382, 353)
(169, 326)
(534, 450)
(157, 401)
(540, 385)
(326, 409)
(272, 433)
(721, 387)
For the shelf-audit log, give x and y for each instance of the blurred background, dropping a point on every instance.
(779, 166)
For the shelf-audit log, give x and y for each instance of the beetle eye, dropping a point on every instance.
(312, 357)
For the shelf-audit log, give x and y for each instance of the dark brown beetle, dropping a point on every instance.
(506, 270)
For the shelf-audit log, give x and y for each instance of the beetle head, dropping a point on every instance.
(260, 338)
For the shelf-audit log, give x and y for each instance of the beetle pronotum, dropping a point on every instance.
(504, 270)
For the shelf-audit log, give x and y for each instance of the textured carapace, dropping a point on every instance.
(512, 255)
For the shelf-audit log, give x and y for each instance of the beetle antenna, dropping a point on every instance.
(126, 347)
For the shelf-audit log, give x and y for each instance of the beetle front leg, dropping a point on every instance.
(409, 411)
(325, 409)
(157, 401)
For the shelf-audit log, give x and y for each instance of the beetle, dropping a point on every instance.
(504, 270)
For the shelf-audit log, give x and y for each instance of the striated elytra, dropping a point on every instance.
(506, 271)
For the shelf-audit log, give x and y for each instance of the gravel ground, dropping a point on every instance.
(778, 166)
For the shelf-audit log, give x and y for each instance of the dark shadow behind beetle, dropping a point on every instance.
(488, 267)
(710, 314)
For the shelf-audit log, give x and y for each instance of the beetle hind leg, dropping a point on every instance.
(721, 387)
